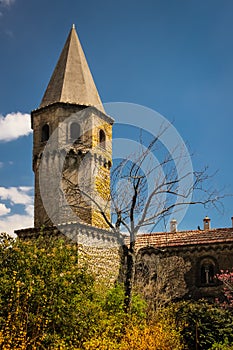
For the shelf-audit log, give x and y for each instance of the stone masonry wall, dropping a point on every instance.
(86, 164)
(100, 250)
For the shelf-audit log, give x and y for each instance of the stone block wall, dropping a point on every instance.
(72, 177)
(182, 272)
(99, 250)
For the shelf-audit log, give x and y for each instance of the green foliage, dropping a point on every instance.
(114, 303)
(135, 330)
(45, 292)
(49, 301)
(203, 324)
(222, 346)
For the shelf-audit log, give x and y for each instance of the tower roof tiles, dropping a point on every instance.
(72, 81)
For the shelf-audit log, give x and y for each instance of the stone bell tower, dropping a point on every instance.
(72, 145)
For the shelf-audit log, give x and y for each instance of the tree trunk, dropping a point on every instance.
(130, 273)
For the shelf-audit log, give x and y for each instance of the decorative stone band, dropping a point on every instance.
(80, 233)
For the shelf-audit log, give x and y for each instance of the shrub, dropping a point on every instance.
(48, 301)
(44, 294)
(203, 324)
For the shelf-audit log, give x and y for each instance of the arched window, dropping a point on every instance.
(45, 133)
(207, 270)
(102, 138)
(74, 131)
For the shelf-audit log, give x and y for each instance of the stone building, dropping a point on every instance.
(185, 262)
(72, 157)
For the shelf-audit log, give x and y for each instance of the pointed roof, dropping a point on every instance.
(72, 81)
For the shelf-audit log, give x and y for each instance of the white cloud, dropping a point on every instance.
(1, 165)
(17, 195)
(15, 222)
(14, 125)
(4, 210)
(30, 210)
(6, 2)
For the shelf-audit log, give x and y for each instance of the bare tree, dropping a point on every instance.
(145, 192)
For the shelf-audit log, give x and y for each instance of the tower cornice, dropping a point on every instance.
(56, 105)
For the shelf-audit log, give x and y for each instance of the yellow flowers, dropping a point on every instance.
(52, 302)
(146, 337)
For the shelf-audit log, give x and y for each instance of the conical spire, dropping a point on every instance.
(72, 81)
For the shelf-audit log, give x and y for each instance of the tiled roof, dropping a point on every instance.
(72, 81)
(184, 238)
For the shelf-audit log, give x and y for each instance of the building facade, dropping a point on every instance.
(184, 264)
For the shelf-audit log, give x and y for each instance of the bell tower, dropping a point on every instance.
(72, 145)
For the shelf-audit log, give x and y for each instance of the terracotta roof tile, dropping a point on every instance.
(184, 238)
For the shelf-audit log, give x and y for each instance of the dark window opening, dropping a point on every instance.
(74, 132)
(45, 133)
(102, 138)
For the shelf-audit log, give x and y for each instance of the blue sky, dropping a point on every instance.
(173, 56)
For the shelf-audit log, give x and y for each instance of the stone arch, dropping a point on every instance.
(207, 269)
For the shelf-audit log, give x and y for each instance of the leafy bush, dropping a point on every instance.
(222, 346)
(203, 324)
(44, 294)
(49, 301)
(159, 336)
